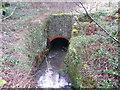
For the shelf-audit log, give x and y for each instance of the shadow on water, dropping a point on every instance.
(49, 75)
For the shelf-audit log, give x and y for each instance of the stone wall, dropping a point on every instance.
(59, 25)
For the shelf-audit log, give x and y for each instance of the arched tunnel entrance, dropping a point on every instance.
(59, 43)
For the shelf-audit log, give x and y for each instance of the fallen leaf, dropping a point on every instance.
(2, 82)
(85, 66)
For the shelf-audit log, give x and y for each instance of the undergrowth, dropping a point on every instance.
(16, 61)
(36, 40)
(92, 59)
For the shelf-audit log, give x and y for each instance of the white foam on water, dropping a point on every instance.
(51, 79)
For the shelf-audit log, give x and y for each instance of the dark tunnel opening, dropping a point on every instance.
(59, 43)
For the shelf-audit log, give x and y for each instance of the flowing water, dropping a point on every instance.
(49, 75)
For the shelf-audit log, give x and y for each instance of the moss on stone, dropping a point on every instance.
(61, 14)
(36, 41)
(81, 72)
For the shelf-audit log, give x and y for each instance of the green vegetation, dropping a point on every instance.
(92, 58)
(18, 54)
(36, 40)
(2, 82)
(88, 59)
(60, 14)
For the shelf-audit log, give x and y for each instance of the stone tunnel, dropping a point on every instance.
(59, 26)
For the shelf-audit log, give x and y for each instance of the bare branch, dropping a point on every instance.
(9, 15)
(76, 18)
(96, 22)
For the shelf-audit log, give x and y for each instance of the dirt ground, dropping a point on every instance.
(15, 66)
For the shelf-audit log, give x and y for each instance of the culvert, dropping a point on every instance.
(58, 42)
(49, 75)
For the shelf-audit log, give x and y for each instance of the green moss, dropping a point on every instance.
(75, 31)
(36, 40)
(86, 55)
(60, 14)
(86, 58)
(79, 78)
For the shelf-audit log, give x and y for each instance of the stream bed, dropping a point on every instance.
(51, 72)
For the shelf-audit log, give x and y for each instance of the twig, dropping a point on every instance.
(96, 22)
(9, 15)
(76, 19)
